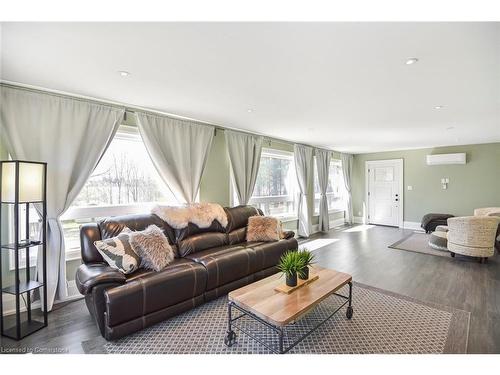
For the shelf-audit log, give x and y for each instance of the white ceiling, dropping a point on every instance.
(339, 85)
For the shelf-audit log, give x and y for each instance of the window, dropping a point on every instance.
(335, 191)
(275, 190)
(124, 182)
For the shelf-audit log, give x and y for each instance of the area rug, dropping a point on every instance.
(383, 322)
(418, 242)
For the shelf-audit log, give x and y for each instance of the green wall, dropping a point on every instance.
(475, 184)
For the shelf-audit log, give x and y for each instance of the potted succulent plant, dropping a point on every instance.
(306, 259)
(289, 265)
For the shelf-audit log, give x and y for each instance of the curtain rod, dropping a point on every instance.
(134, 109)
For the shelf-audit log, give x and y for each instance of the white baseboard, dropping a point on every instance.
(359, 220)
(315, 228)
(333, 223)
(412, 225)
(337, 222)
(9, 301)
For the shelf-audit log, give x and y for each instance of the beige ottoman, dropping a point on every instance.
(442, 228)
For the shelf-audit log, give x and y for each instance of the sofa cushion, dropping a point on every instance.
(201, 241)
(268, 254)
(237, 236)
(225, 264)
(148, 291)
(193, 229)
(111, 226)
(237, 217)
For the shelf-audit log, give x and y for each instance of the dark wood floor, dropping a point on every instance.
(361, 251)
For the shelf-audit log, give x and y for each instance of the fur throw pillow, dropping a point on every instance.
(263, 228)
(152, 246)
(118, 252)
(201, 214)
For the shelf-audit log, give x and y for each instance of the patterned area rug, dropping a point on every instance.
(383, 322)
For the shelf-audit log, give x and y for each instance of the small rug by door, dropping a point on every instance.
(383, 322)
(418, 242)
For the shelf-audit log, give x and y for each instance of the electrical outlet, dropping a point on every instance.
(444, 183)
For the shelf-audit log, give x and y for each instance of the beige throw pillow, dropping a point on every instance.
(263, 228)
(153, 248)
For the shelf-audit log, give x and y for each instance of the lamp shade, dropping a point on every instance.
(31, 183)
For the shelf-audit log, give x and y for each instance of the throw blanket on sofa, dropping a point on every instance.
(201, 214)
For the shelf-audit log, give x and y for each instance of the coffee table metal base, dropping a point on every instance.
(230, 338)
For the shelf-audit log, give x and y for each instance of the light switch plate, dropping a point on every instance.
(409, 187)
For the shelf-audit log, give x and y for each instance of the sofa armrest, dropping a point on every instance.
(90, 275)
(287, 234)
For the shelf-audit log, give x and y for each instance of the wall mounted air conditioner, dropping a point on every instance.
(442, 159)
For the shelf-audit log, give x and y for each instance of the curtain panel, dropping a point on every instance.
(244, 152)
(323, 158)
(303, 156)
(71, 136)
(179, 150)
(347, 160)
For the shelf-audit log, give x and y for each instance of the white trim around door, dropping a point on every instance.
(396, 191)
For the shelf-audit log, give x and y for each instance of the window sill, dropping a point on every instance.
(334, 211)
(287, 219)
(73, 254)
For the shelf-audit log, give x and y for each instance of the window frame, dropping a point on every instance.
(279, 154)
(338, 162)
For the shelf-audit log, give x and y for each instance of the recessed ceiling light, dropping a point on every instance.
(411, 61)
(438, 107)
(249, 110)
(123, 73)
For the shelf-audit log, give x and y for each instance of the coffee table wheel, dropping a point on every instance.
(230, 339)
(349, 312)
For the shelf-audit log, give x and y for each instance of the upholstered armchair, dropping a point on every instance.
(490, 211)
(487, 211)
(472, 235)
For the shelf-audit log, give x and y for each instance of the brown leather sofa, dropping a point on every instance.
(209, 263)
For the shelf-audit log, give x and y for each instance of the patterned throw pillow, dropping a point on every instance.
(118, 252)
(263, 228)
(152, 246)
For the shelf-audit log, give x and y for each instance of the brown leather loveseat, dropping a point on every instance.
(209, 263)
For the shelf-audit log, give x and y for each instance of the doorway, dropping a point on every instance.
(384, 192)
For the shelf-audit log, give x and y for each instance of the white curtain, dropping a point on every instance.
(323, 158)
(244, 155)
(303, 156)
(347, 171)
(70, 135)
(179, 150)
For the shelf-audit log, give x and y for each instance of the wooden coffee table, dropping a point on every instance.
(276, 310)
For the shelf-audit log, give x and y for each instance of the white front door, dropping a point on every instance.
(385, 192)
